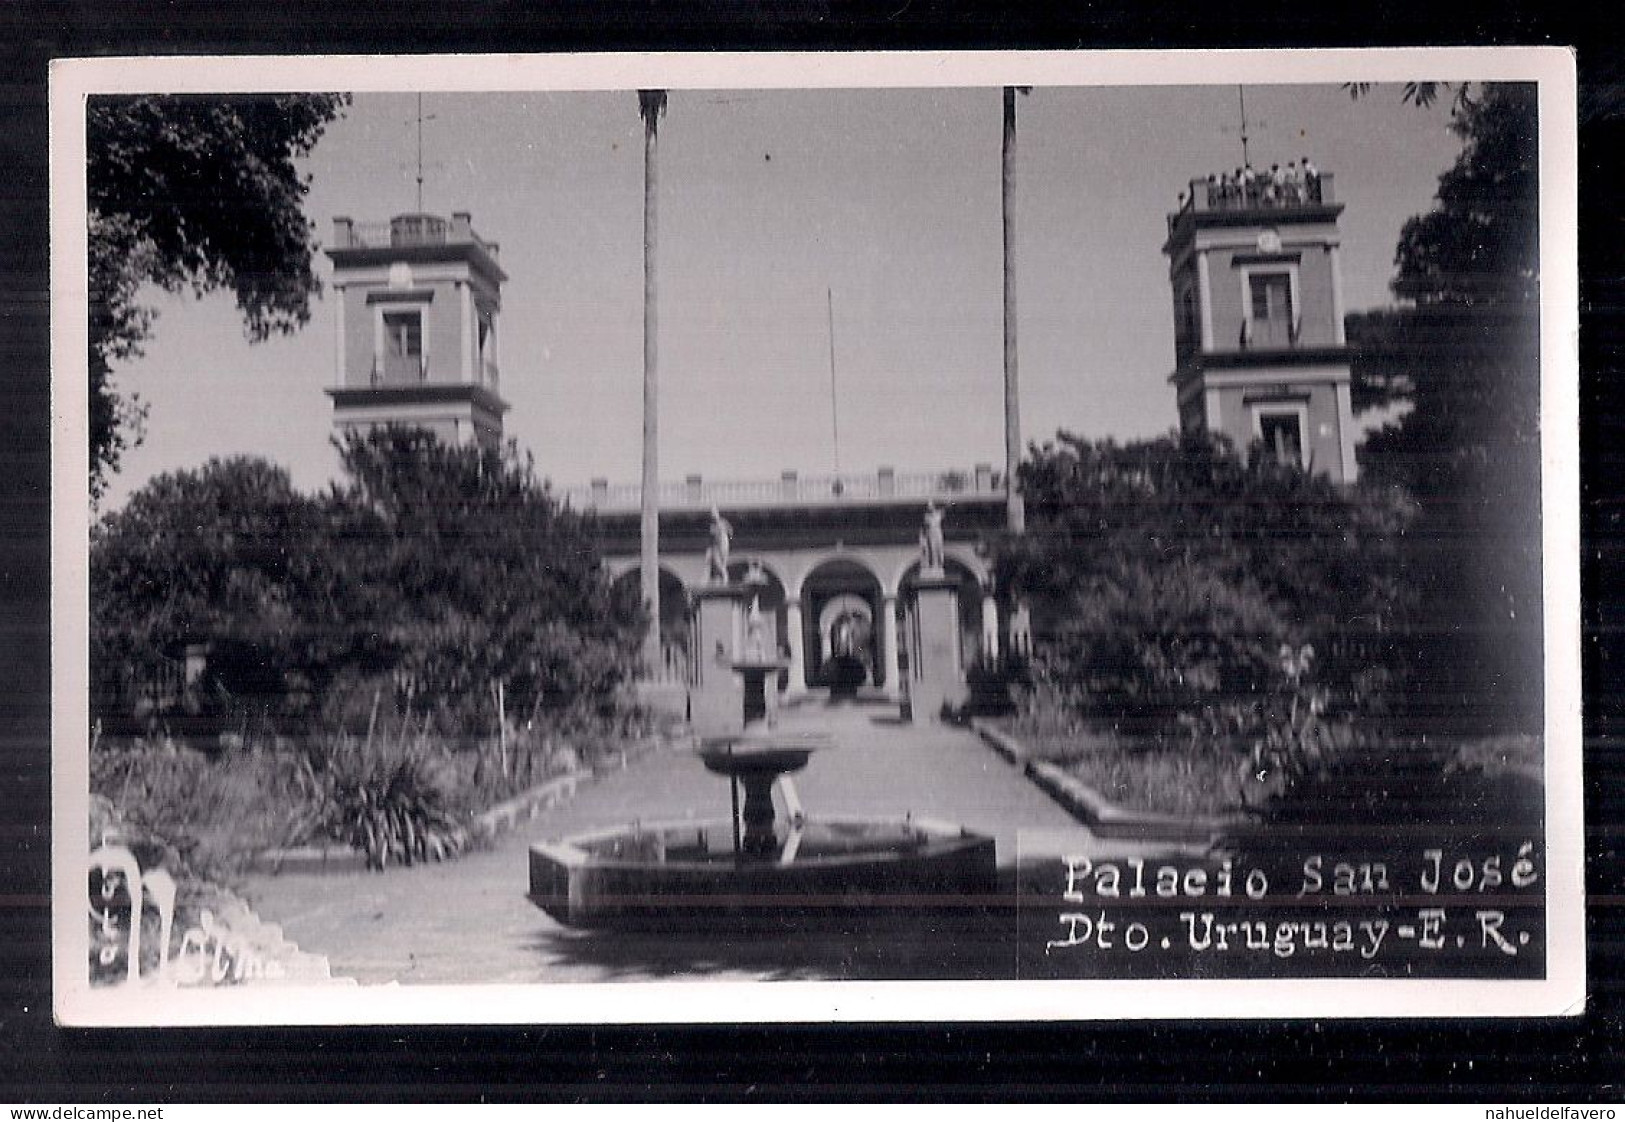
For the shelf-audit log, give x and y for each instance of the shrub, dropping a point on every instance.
(1388, 798)
(208, 814)
(225, 559)
(1316, 774)
(1165, 576)
(476, 576)
(391, 797)
(1157, 648)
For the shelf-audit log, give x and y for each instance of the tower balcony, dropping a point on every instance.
(1261, 200)
(410, 231)
(399, 370)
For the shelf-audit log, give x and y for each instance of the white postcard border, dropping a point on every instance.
(1561, 992)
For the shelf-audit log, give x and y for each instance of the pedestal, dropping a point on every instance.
(759, 681)
(760, 840)
(937, 676)
(756, 762)
(716, 698)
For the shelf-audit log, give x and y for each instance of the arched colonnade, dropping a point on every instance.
(835, 610)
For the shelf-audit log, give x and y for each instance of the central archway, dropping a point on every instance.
(844, 626)
(841, 599)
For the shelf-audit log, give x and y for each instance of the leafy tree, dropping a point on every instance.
(438, 570)
(1461, 355)
(1167, 574)
(1420, 94)
(228, 556)
(473, 575)
(198, 192)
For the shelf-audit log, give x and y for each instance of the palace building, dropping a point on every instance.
(840, 558)
(1260, 357)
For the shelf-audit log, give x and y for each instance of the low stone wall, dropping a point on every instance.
(1103, 817)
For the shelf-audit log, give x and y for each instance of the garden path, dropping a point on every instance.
(469, 920)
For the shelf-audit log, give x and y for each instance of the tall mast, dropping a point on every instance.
(834, 412)
(1015, 512)
(651, 103)
(1241, 96)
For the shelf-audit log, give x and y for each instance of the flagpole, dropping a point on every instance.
(834, 412)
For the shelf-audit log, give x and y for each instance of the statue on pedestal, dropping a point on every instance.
(716, 555)
(755, 631)
(932, 552)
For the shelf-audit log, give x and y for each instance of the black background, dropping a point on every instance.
(1569, 1060)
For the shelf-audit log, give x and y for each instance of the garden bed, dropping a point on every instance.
(1184, 781)
(1139, 776)
(397, 798)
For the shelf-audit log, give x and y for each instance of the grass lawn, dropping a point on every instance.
(1137, 775)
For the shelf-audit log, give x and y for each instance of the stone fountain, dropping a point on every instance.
(746, 866)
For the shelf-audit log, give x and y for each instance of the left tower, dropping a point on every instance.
(419, 298)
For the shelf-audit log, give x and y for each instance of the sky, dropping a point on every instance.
(774, 206)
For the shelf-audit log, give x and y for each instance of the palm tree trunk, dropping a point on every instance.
(1015, 514)
(651, 103)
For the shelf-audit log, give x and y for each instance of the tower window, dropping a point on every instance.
(1281, 431)
(1187, 322)
(1271, 315)
(403, 332)
(401, 355)
(1272, 297)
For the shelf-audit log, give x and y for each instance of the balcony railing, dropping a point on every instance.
(407, 230)
(400, 371)
(791, 489)
(1260, 193)
(1262, 334)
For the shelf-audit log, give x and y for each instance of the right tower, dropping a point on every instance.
(1260, 354)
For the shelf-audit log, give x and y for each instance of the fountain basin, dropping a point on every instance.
(681, 872)
(759, 752)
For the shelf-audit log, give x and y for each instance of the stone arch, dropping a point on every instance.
(793, 588)
(675, 625)
(629, 571)
(740, 563)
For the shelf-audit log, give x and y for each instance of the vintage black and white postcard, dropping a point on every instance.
(673, 538)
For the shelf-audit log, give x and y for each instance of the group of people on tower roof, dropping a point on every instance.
(1294, 185)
